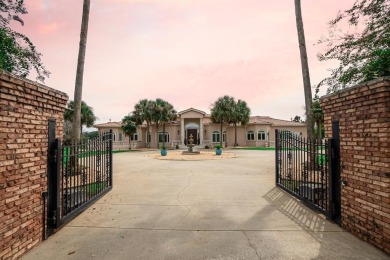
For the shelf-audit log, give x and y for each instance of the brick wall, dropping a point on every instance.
(25, 108)
(364, 117)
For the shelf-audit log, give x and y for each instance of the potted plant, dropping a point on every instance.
(163, 151)
(218, 150)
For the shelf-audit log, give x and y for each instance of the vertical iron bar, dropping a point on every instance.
(51, 177)
(276, 156)
(58, 182)
(111, 162)
(330, 177)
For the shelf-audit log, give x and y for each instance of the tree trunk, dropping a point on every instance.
(319, 131)
(225, 136)
(220, 140)
(129, 142)
(305, 70)
(163, 134)
(80, 72)
(235, 135)
(157, 139)
(147, 135)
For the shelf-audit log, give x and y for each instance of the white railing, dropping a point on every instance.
(125, 145)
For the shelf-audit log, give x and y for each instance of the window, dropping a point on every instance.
(250, 136)
(224, 136)
(120, 137)
(149, 138)
(261, 135)
(216, 137)
(162, 138)
(113, 137)
(134, 137)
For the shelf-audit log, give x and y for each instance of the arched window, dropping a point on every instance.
(261, 135)
(250, 136)
(216, 137)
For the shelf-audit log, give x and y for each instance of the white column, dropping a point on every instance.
(182, 132)
(201, 131)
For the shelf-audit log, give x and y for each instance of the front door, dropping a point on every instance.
(194, 133)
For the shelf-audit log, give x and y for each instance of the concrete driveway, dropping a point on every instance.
(217, 209)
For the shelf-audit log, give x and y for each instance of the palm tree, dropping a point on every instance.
(157, 108)
(241, 114)
(305, 70)
(80, 72)
(88, 117)
(129, 127)
(168, 115)
(222, 111)
(143, 113)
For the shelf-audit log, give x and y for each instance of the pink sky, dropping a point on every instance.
(188, 52)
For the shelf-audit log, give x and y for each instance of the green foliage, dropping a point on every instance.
(143, 113)
(318, 117)
(227, 111)
(18, 54)
(91, 135)
(88, 118)
(163, 112)
(218, 146)
(364, 51)
(297, 119)
(128, 125)
(223, 110)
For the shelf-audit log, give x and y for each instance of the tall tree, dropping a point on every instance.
(143, 113)
(163, 112)
(168, 115)
(305, 70)
(363, 49)
(222, 111)
(157, 109)
(80, 72)
(18, 54)
(129, 127)
(241, 115)
(88, 117)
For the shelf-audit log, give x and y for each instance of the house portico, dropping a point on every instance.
(191, 122)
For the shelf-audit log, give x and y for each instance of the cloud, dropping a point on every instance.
(50, 28)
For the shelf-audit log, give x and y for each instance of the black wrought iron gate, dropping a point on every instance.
(310, 170)
(78, 174)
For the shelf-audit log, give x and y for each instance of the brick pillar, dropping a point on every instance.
(363, 113)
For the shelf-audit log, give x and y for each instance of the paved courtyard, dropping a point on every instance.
(210, 209)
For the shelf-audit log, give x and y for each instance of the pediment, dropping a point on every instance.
(192, 113)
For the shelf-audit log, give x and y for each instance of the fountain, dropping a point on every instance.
(190, 146)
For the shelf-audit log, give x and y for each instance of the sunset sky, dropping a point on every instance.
(188, 52)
